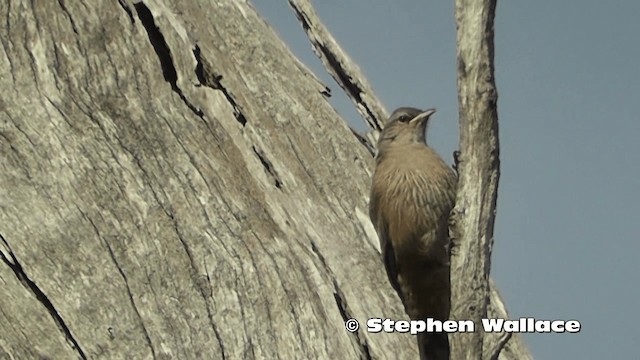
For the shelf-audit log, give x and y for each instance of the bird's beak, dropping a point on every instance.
(423, 116)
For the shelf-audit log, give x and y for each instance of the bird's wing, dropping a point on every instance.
(386, 246)
(389, 258)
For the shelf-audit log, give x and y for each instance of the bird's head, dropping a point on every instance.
(405, 126)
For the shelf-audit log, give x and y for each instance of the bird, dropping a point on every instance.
(412, 194)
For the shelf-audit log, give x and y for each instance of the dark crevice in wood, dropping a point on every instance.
(364, 141)
(127, 9)
(349, 86)
(158, 42)
(341, 302)
(456, 160)
(211, 79)
(200, 69)
(326, 92)
(161, 48)
(73, 24)
(268, 166)
(30, 285)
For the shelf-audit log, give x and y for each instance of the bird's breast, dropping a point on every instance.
(414, 177)
(415, 190)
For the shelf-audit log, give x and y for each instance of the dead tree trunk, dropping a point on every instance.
(174, 184)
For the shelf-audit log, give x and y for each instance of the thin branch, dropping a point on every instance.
(474, 214)
(343, 70)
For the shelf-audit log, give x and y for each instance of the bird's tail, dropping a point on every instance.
(433, 346)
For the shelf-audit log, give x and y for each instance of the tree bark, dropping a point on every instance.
(174, 184)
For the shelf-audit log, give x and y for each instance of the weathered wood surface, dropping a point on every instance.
(478, 170)
(174, 184)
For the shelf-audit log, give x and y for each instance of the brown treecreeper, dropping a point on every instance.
(412, 193)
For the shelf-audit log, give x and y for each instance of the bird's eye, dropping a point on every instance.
(403, 118)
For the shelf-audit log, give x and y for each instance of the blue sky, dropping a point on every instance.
(566, 237)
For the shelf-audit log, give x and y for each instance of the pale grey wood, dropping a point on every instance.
(174, 184)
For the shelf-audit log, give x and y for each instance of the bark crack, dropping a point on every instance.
(163, 52)
(66, 11)
(127, 9)
(341, 302)
(12, 262)
(209, 78)
(268, 166)
(365, 142)
(74, 27)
